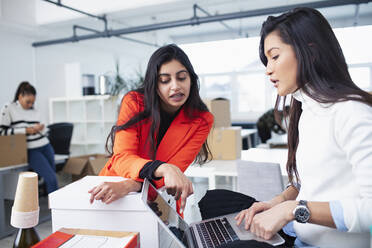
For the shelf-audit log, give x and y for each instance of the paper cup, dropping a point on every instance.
(25, 211)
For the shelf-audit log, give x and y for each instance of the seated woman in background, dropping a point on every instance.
(329, 202)
(162, 127)
(20, 117)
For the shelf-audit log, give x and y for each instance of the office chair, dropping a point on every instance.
(260, 180)
(59, 136)
(267, 124)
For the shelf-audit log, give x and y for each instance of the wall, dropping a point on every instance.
(44, 67)
(16, 63)
(95, 57)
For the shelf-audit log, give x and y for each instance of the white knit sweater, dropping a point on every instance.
(15, 119)
(334, 162)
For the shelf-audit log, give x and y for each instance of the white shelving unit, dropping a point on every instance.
(92, 117)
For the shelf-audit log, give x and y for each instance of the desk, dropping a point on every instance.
(8, 180)
(229, 167)
(250, 135)
(5, 229)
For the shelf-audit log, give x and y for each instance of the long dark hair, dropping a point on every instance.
(24, 88)
(152, 101)
(321, 66)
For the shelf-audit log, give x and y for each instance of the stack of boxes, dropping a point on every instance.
(224, 140)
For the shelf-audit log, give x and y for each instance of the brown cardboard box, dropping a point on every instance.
(225, 143)
(85, 165)
(220, 108)
(13, 150)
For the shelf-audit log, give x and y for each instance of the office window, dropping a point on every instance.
(232, 69)
(217, 86)
(361, 76)
(251, 92)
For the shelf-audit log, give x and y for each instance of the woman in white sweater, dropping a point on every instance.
(20, 117)
(329, 202)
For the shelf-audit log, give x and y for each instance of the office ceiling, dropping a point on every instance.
(156, 12)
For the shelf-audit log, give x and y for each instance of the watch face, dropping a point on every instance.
(302, 214)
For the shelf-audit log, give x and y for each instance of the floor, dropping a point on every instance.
(191, 213)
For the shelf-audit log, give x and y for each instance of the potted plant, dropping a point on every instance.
(120, 85)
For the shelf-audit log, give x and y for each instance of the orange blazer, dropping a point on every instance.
(179, 146)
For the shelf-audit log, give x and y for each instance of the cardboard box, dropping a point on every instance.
(111, 239)
(225, 143)
(70, 208)
(82, 166)
(220, 108)
(13, 150)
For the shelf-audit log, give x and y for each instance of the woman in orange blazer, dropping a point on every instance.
(161, 129)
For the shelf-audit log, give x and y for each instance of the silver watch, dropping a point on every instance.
(301, 212)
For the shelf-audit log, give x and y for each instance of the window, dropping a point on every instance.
(361, 76)
(232, 69)
(217, 86)
(251, 92)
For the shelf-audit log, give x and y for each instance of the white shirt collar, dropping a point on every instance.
(310, 104)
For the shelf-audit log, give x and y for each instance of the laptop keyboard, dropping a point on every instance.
(216, 232)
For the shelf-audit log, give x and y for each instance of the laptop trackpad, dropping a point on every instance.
(247, 235)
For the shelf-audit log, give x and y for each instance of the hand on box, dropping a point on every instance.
(108, 192)
(176, 183)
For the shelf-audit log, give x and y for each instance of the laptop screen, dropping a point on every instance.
(166, 213)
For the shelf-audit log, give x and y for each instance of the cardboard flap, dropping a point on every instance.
(97, 163)
(220, 108)
(75, 165)
(13, 150)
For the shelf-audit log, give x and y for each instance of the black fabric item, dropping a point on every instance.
(165, 121)
(221, 201)
(148, 170)
(246, 244)
(289, 240)
(59, 136)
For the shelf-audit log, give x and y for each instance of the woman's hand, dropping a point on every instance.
(269, 222)
(30, 130)
(108, 192)
(248, 214)
(34, 129)
(176, 183)
(39, 127)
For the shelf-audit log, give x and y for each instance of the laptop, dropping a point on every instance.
(204, 234)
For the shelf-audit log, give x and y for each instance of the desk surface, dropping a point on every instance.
(57, 158)
(246, 132)
(13, 167)
(273, 155)
(228, 167)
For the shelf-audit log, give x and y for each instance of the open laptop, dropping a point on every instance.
(204, 234)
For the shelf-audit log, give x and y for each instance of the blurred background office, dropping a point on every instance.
(39, 43)
(83, 55)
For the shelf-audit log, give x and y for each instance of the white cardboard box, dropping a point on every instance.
(71, 208)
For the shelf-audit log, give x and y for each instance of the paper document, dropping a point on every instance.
(83, 241)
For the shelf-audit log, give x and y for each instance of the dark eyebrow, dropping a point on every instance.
(268, 52)
(167, 74)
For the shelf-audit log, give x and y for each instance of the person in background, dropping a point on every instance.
(329, 200)
(20, 117)
(161, 129)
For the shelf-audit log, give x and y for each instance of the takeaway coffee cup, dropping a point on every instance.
(25, 211)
